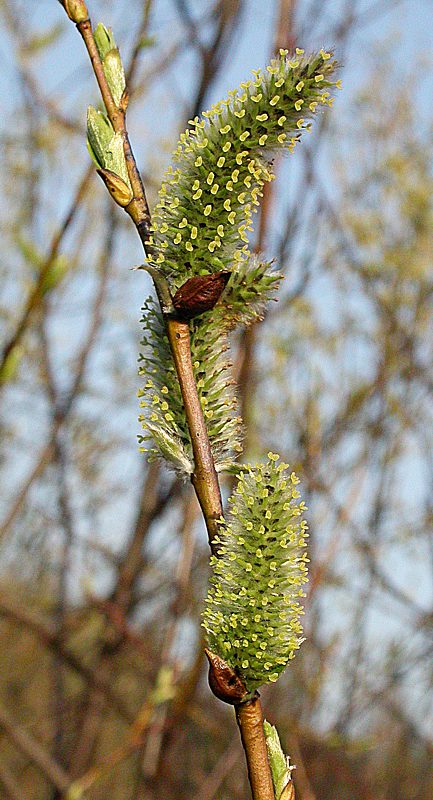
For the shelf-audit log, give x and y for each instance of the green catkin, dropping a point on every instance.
(201, 225)
(208, 195)
(253, 609)
(163, 417)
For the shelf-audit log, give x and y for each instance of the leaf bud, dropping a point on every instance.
(76, 10)
(119, 190)
(111, 61)
(279, 763)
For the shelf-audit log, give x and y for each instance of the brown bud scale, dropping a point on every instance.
(224, 681)
(199, 294)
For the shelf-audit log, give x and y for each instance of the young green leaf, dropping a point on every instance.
(111, 61)
(279, 764)
(105, 146)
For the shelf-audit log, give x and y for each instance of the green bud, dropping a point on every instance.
(99, 135)
(106, 146)
(104, 40)
(111, 61)
(279, 764)
(76, 10)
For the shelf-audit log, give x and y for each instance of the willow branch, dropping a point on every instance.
(204, 478)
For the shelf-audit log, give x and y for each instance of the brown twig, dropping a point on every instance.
(249, 717)
(204, 478)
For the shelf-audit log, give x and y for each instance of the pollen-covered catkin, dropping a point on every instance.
(201, 226)
(209, 194)
(253, 607)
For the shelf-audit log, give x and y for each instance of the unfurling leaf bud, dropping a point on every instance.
(279, 764)
(119, 190)
(106, 146)
(111, 61)
(76, 10)
(223, 680)
(199, 294)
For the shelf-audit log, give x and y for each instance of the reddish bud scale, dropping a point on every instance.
(224, 682)
(199, 294)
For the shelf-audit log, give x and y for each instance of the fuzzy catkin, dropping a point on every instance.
(201, 225)
(163, 417)
(252, 610)
(208, 196)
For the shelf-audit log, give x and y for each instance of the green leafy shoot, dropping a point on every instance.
(279, 763)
